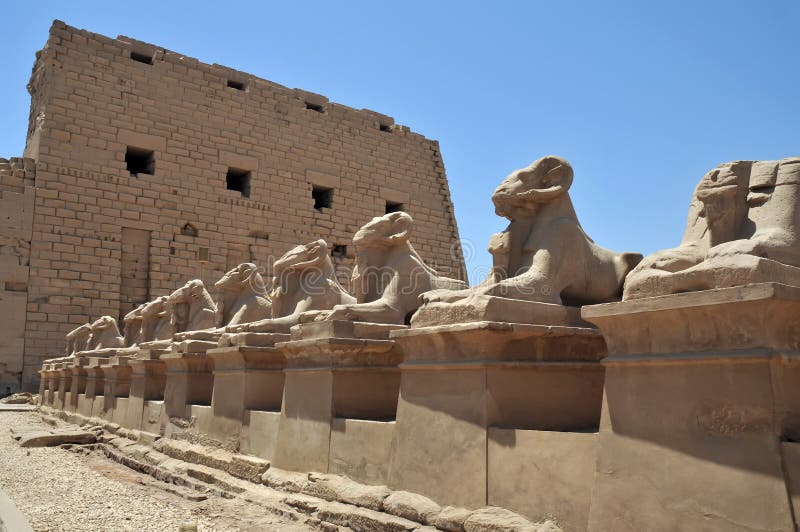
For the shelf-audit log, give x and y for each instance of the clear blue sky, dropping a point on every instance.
(642, 97)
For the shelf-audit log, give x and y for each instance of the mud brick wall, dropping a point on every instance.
(227, 167)
(16, 224)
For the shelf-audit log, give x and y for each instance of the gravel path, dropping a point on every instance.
(61, 490)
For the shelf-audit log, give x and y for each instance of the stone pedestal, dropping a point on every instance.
(64, 384)
(117, 386)
(245, 378)
(701, 391)
(44, 382)
(189, 381)
(92, 402)
(472, 389)
(77, 382)
(47, 384)
(55, 383)
(148, 382)
(334, 369)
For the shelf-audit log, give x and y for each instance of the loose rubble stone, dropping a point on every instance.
(451, 519)
(493, 519)
(288, 481)
(363, 519)
(412, 506)
(248, 467)
(21, 398)
(343, 489)
(51, 438)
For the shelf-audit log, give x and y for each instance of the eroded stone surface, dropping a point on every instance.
(412, 506)
(452, 519)
(338, 488)
(743, 227)
(493, 519)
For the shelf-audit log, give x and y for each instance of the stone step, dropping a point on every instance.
(55, 437)
(324, 501)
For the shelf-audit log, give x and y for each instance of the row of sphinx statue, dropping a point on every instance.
(743, 227)
(387, 281)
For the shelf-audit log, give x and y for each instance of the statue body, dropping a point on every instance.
(156, 321)
(105, 335)
(192, 307)
(304, 281)
(78, 339)
(133, 326)
(544, 255)
(241, 298)
(389, 276)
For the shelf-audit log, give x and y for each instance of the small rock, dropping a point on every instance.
(363, 519)
(412, 506)
(451, 519)
(248, 467)
(343, 489)
(548, 526)
(288, 481)
(493, 519)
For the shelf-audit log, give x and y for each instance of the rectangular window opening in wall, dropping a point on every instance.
(339, 251)
(386, 128)
(238, 85)
(323, 197)
(315, 107)
(142, 58)
(139, 161)
(202, 254)
(393, 206)
(238, 180)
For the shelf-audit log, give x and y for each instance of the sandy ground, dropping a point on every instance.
(59, 489)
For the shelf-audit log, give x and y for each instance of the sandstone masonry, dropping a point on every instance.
(152, 168)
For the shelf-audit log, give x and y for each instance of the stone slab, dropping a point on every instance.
(343, 329)
(499, 309)
(56, 437)
(714, 273)
(695, 410)
(723, 320)
(361, 449)
(543, 474)
(16, 408)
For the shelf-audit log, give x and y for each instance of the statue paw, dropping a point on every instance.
(339, 312)
(445, 296)
(737, 247)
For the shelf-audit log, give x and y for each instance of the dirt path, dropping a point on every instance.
(58, 489)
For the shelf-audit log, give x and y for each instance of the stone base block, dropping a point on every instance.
(245, 378)
(461, 381)
(700, 393)
(260, 433)
(151, 416)
(332, 373)
(542, 474)
(189, 381)
(361, 449)
(148, 383)
(498, 309)
(719, 272)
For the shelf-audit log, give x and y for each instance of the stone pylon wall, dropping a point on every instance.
(16, 223)
(95, 98)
